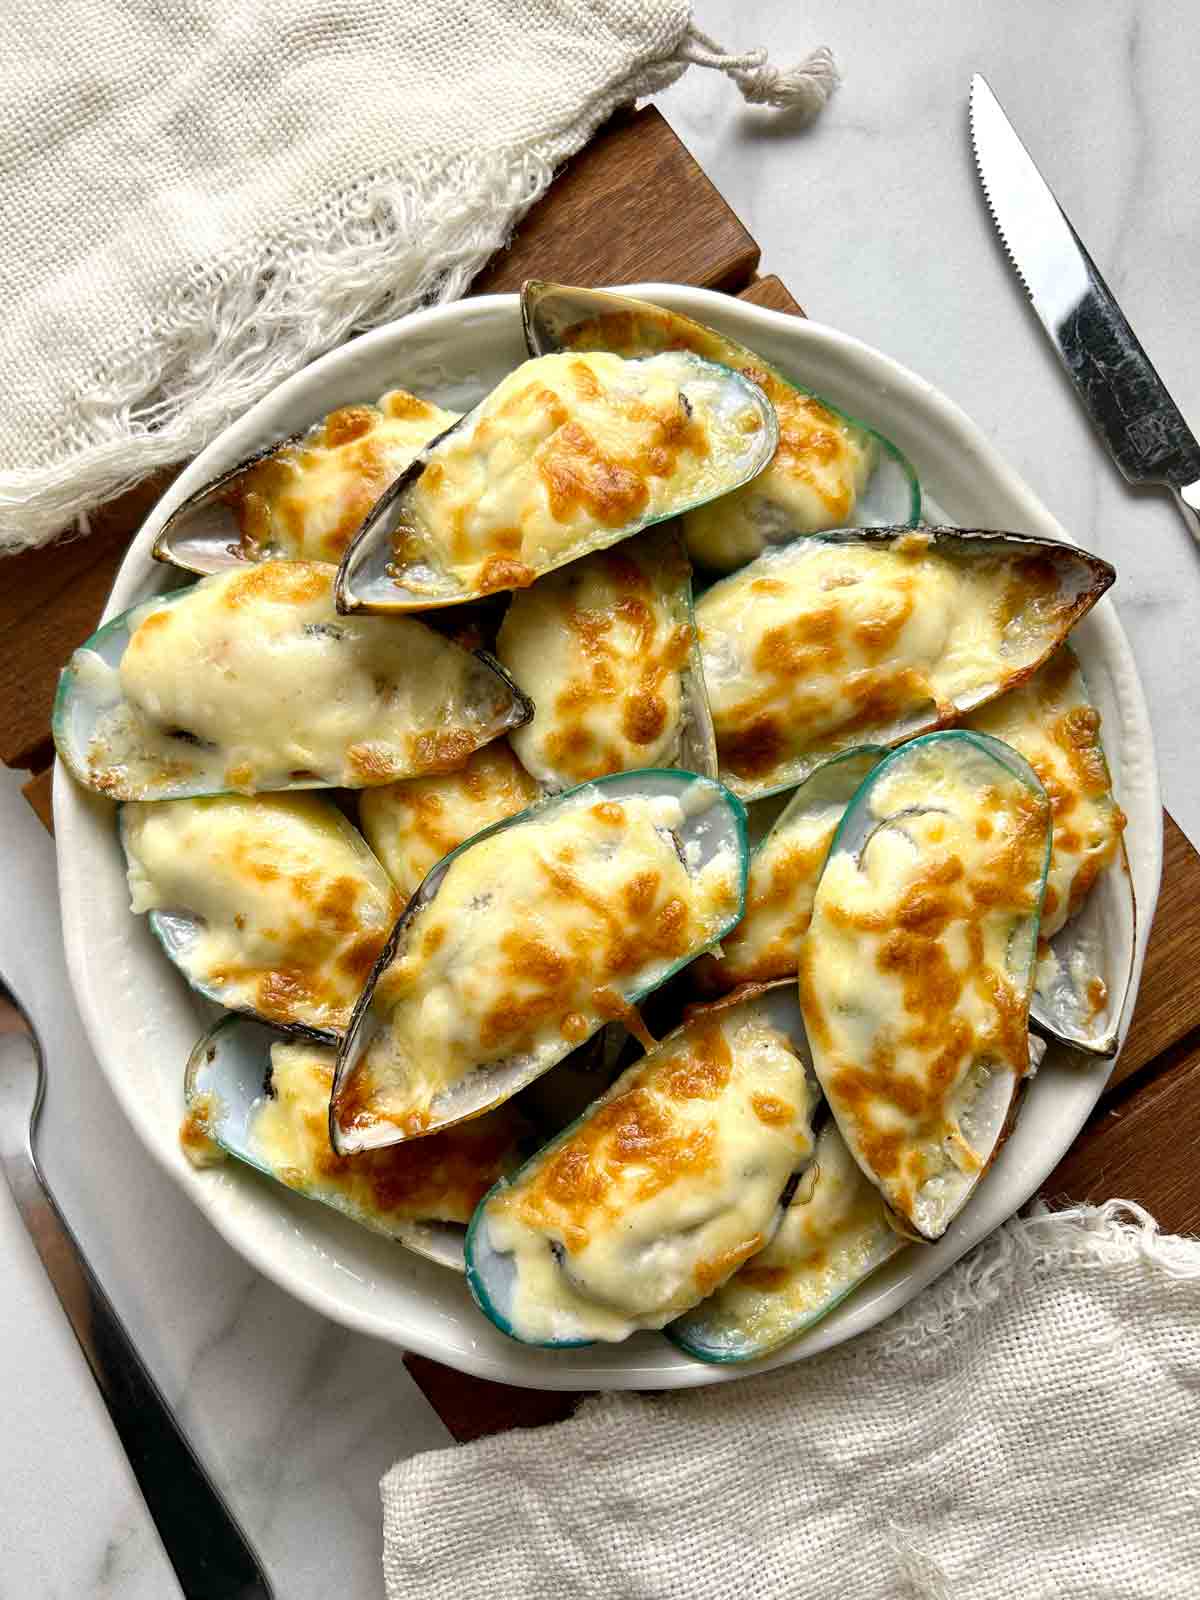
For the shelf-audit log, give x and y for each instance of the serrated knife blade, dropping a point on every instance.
(1115, 378)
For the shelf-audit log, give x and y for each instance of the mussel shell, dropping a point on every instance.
(198, 535)
(201, 534)
(771, 1301)
(492, 1273)
(1100, 939)
(715, 826)
(663, 561)
(1083, 579)
(555, 316)
(87, 692)
(228, 1075)
(371, 579)
(985, 1105)
(178, 929)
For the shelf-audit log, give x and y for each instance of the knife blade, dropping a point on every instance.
(1126, 399)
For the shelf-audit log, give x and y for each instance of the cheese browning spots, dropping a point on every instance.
(534, 938)
(914, 978)
(567, 447)
(600, 646)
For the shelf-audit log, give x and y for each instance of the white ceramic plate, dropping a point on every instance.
(143, 1020)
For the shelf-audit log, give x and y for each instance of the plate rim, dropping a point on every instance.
(603, 1367)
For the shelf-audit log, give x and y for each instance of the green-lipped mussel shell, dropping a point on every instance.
(550, 641)
(289, 862)
(916, 975)
(833, 470)
(372, 1108)
(1086, 963)
(228, 1084)
(795, 673)
(397, 564)
(458, 702)
(675, 1080)
(302, 497)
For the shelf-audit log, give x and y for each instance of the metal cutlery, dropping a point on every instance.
(211, 1556)
(1115, 378)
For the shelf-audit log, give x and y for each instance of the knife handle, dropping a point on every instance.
(1189, 504)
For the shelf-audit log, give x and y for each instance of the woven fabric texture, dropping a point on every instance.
(199, 198)
(1028, 1428)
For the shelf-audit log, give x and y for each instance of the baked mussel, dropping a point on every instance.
(918, 966)
(1088, 933)
(785, 866)
(412, 824)
(673, 1178)
(568, 455)
(874, 635)
(528, 939)
(607, 649)
(828, 469)
(263, 1097)
(268, 904)
(249, 681)
(302, 498)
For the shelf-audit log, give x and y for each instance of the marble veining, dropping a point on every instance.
(873, 218)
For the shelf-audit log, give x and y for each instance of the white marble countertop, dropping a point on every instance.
(874, 219)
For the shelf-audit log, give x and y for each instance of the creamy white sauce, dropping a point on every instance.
(916, 972)
(438, 1179)
(784, 872)
(564, 456)
(600, 646)
(535, 938)
(1052, 723)
(308, 500)
(273, 689)
(813, 481)
(669, 1184)
(834, 1234)
(818, 647)
(291, 910)
(411, 825)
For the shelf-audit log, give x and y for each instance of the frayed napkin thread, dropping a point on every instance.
(1028, 1426)
(179, 241)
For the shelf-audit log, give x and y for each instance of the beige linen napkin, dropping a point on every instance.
(1028, 1428)
(200, 197)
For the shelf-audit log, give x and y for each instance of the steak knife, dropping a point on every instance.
(1114, 377)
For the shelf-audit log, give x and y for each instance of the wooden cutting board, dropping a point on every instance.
(634, 206)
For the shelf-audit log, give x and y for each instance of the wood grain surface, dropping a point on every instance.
(635, 206)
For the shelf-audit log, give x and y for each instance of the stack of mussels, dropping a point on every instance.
(694, 703)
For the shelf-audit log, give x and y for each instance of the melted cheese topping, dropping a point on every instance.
(252, 681)
(438, 1179)
(818, 647)
(819, 468)
(834, 1234)
(784, 871)
(291, 908)
(663, 1191)
(535, 938)
(816, 474)
(567, 454)
(600, 647)
(308, 500)
(1051, 722)
(915, 973)
(412, 825)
